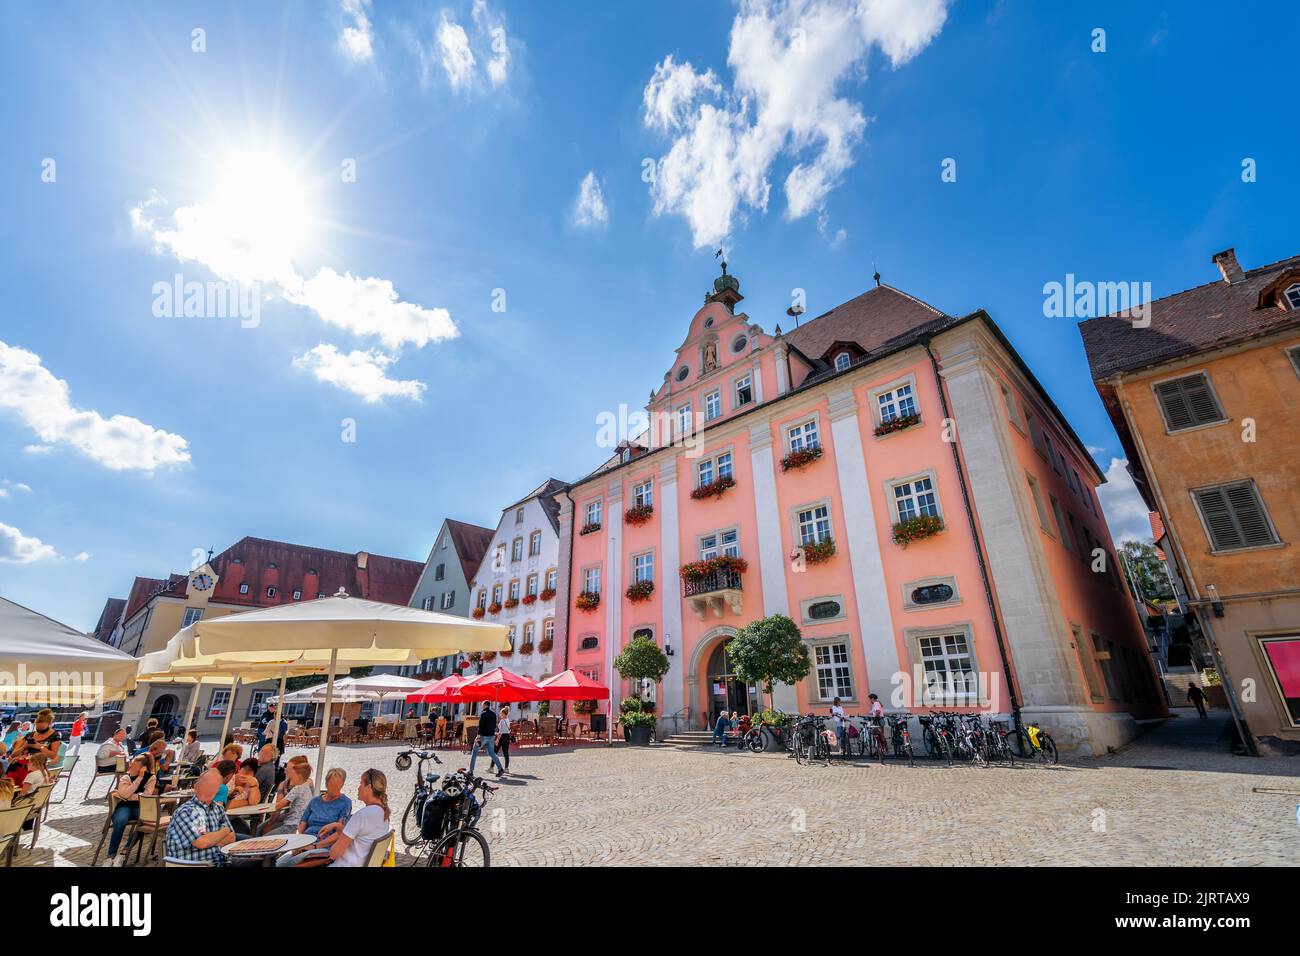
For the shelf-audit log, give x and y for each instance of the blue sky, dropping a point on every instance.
(499, 153)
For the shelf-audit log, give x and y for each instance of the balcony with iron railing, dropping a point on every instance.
(712, 591)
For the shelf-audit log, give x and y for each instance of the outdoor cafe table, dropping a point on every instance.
(292, 842)
(252, 810)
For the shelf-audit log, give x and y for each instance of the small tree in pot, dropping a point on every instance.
(641, 660)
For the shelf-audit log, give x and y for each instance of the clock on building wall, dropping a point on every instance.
(202, 582)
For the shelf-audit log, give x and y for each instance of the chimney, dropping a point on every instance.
(1227, 263)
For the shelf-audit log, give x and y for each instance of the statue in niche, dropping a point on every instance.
(710, 356)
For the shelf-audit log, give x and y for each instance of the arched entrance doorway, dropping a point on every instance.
(164, 707)
(723, 690)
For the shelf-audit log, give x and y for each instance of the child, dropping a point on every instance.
(36, 775)
(7, 793)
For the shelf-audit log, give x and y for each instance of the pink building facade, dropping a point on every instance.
(893, 479)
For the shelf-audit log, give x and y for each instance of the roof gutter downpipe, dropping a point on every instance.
(568, 604)
(975, 537)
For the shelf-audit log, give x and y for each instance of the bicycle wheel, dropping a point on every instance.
(754, 740)
(880, 747)
(465, 847)
(945, 748)
(931, 740)
(1049, 753)
(905, 750)
(801, 755)
(411, 823)
(1024, 746)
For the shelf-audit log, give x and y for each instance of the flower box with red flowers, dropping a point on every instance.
(526, 647)
(640, 591)
(546, 645)
(511, 602)
(584, 706)
(697, 570)
(589, 527)
(508, 652)
(714, 489)
(489, 655)
(819, 552)
(798, 459)
(914, 529)
(587, 601)
(897, 424)
(639, 514)
(494, 608)
(548, 594)
(477, 613)
(529, 599)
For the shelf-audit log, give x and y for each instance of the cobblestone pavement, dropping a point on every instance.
(1161, 801)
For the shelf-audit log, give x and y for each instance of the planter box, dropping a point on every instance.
(1216, 696)
(638, 736)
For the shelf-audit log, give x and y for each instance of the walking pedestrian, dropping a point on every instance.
(486, 739)
(503, 736)
(1197, 697)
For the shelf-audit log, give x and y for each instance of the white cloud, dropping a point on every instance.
(589, 210)
(43, 403)
(82, 556)
(214, 236)
(370, 306)
(357, 40)
(788, 58)
(38, 449)
(358, 372)
(456, 56)
(17, 548)
(1126, 513)
(498, 64)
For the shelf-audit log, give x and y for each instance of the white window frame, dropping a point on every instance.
(514, 589)
(714, 464)
(587, 575)
(917, 639)
(643, 567)
(217, 710)
(910, 586)
(552, 579)
(682, 416)
(843, 361)
(821, 527)
(496, 593)
(594, 506)
(516, 550)
(535, 544)
(890, 389)
(830, 645)
(643, 493)
(718, 546)
(448, 600)
(1292, 295)
(548, 630)
(192, 614)
(747, 378)
(713, 405)
(257, 702)
(804, 434)
(893, 499)
(531, 587)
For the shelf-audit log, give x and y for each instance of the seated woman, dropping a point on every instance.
(243, 789)
(351, 847)
(164, 759)
(35, 776)
(139, 779)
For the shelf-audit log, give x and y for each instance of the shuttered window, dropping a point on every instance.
(1234, 516)
(1187, 402)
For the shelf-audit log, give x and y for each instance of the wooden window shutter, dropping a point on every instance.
(1234, 516)
(1187, 402)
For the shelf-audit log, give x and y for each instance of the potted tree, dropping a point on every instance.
(641, 660)
(767, 652)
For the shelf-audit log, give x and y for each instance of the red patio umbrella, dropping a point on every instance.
(572, 685)
(499, 685)
(441, 691)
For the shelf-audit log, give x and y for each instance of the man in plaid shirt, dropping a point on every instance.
(200, 827)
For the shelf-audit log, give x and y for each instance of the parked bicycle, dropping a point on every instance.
(424, 785)
(901, 738)
(813, 741)
(937, 736)
(1032, 742)
(780, 732)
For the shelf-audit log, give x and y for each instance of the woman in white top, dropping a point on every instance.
(503, 736)
(367, 825)
(841, 732)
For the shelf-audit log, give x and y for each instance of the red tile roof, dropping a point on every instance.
(108, 619)
(142, 589)
(1207, 317)
(872, 320)
(262, 564)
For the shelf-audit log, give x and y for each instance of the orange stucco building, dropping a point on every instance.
(1204, 401)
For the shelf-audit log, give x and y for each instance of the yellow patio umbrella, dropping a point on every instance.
(43, 661)
(346, 628)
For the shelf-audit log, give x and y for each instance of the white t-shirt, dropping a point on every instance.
(837, 712)
(503, 725)
(299, 797)
(365, 827)
(33, 780)
(108, 752)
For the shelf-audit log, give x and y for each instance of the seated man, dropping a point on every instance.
(108, 752)
(200, 827)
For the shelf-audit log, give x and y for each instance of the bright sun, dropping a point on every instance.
(262, 206)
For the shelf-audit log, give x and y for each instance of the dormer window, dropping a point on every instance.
(1292, 294)
(843, 361)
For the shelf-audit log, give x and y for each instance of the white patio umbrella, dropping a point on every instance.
(346, 627)
(43, 661)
